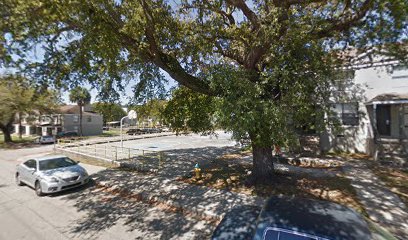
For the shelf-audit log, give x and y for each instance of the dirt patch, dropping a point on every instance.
(156, 202)
(226, 174)
(345, 156)
(395, 178)
(326, 163)
(234, 156)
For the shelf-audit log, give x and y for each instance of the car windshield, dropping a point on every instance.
(56, 163)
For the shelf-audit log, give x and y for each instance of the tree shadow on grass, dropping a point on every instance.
(105, 210)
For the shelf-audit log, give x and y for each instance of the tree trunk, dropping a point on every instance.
(263, 168)
(6, 132)
(80, 120)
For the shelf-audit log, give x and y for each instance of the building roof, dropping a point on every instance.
(73, 109)
(389, 98)
(374, 56)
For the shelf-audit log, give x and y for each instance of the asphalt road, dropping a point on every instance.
(84, 213)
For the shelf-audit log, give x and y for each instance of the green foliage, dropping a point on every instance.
(269, 112)
(265, 64)
(188, 110)
(109, 43)
(80, 96)
(19, 97)
(152, 109)
(110, 111)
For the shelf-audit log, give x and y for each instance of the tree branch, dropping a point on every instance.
(228, 16)
(302, 2)
(251, 15)
(339, 25)
(167, 62)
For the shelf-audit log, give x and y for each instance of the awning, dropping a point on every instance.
(389, 98)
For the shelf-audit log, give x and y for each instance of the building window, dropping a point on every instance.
(89, 119)
(76, 118)
(345, 113)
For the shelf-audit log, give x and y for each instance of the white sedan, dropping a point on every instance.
(51, 174)
(44, 139)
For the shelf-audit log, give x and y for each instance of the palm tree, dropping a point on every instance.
(81, 97)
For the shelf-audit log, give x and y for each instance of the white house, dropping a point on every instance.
(66, 119)
(375, 114)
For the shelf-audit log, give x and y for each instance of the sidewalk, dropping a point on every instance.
(382, 206)
(203, 202)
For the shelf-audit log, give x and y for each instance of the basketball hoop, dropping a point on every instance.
(132, 114)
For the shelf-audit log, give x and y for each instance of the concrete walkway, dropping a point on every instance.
(382, 205)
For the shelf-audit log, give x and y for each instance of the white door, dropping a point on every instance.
(26, 172)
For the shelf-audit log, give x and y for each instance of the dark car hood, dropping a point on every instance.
(319, 218)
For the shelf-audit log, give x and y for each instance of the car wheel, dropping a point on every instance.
(18, 180)
(38, 189)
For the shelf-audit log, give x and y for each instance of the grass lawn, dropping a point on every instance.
(95, 162)
(224, 174)
(89, 160)
(17, 142)
(111, 133)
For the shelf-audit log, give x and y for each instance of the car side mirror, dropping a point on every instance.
(32, 170)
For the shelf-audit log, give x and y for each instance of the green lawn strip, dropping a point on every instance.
(90, 161)
(17, 142)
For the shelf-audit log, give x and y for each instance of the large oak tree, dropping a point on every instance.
(18, 99)
(268, 62)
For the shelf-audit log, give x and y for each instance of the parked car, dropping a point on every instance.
(67, 134)
(290, 218)
(153, 130)
(51, 174)
(44, 139)
(134, 131)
